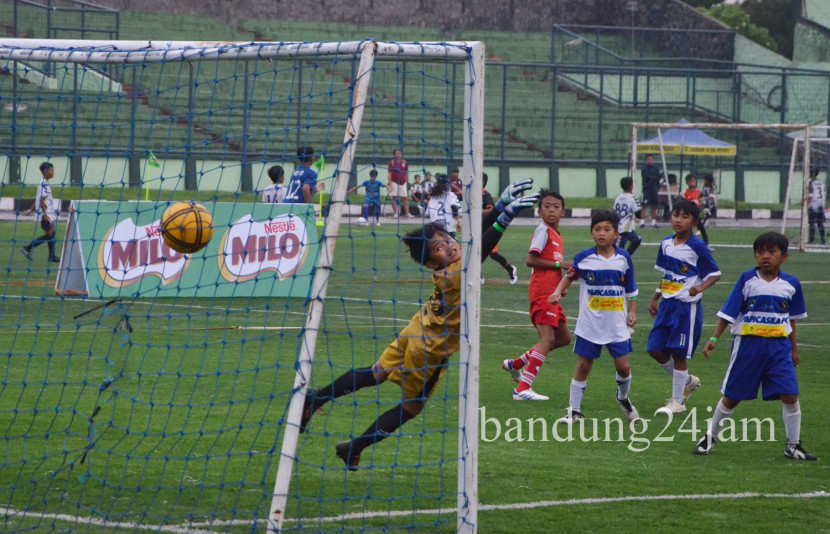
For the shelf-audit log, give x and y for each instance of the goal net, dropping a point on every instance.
(741, 157)
(144, 389)
(809, 160)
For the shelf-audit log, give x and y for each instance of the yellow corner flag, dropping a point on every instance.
(320, 165)
(151, 162)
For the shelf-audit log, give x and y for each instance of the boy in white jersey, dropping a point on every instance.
(47, 211)
(688, 270)
(627, 205)
(815, 206)
(761, 309)
(607, 280)
(275, 193)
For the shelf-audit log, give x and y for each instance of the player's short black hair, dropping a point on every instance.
(544, 193)
(709, 179)
(275, 173)
(605, 216)
(686, 206)
(770, 240)
(648, 156)
(45, 166)
(689, 177)
(454, 170)
(626, 183)
(373, 172)
(417, 241)
(483, 179)
(305, 152)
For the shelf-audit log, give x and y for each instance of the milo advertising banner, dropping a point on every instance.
(115, 249)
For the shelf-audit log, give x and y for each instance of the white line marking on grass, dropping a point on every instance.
(92, 521)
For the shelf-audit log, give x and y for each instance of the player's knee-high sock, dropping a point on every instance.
(678, 383)
(721, 414)
(668, 366)
(348, 382)
(623, 386)
(812, 232)
(821, 232)
(792, 422)
(501, 260)
(633, 246)
(534, 363)
(51, 245)
(40, 240)
(703, 233)
(381, 429)
(577, 391)
(519, 363)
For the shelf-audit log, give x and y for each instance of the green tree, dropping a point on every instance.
(777, 16)
(735, 17)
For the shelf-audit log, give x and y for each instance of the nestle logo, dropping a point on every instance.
(277, 227)
(153, 231)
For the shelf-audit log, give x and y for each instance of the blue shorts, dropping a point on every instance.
(676, 328)
(758, 361)
(587, 349)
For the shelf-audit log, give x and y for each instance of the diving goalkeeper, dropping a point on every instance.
(418, 358)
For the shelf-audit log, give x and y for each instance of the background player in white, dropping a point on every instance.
(443, 205)
(815, 207)
(47, 211)
(627, 206)
(275, 193)
(606, 280)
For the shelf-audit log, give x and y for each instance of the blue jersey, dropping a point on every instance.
(683, 266)
(605, 284)
(372, 191)
(300, 177)
(756, 307)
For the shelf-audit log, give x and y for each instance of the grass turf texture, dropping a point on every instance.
(186, 431)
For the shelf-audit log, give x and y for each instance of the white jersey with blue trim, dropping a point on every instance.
(684, 266)
(756, 307)
(626, 205)
(605, 283)
(44, 193)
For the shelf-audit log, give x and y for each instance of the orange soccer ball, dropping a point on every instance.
(186, 227)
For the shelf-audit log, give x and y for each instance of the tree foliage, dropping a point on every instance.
(735, 17)
(778, 17)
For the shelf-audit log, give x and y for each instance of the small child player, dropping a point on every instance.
(275, 193)
(372, 199)
(761, 309)
(47, 211)
(546, 258)
(606, 280)
(688, 270)
(418, 357)
(627, 206)
(815, 207)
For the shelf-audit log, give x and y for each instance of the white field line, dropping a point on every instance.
(92, 521)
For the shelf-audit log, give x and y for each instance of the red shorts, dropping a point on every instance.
(541, 312)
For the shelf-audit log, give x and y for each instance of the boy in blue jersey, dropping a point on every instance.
(688, 270)
(761, 309)
(303, 182)
(372, 187)
(607, 280)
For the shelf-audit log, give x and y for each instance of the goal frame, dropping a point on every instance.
(806, 128)
(807, 140)
(472, 54)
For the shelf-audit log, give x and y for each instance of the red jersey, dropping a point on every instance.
(546, 242)
(692, 195)
(398, 171)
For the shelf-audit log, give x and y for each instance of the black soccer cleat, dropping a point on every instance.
(796, 452)
(344, 449)
(705, 445)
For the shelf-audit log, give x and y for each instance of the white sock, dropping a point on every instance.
(792, 422)
(721, 413)
(577, 390)
(623, 386)
(668, 366)
(678, 383)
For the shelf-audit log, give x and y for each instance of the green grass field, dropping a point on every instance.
(187, 410)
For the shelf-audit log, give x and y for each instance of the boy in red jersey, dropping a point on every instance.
(547, 259)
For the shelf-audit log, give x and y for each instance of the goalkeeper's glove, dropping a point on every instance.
(513, 192)
(513, 209)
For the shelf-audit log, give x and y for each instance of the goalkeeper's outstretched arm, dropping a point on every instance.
(510, 203)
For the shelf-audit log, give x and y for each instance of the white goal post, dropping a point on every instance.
(805, 128)
(803, 141)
